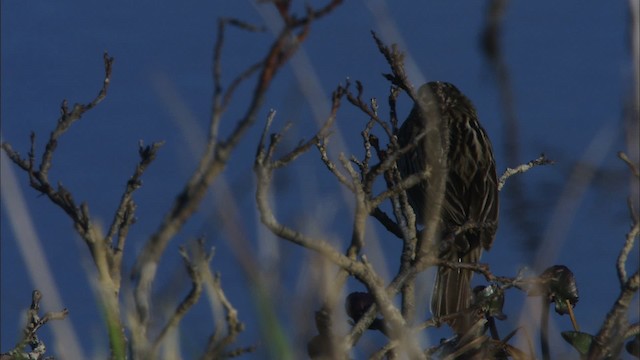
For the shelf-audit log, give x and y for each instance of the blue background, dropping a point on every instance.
(571, 76)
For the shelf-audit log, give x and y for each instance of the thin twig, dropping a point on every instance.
(39, 177)
(34, 323)
(194, 269)
(625, 251)
(635, 171)
(124, 215)
(217, 152)
(216, 346)
(321, 134)
(541, 160)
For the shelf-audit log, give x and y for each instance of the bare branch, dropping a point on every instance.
(321, 144)
(194, 270)
(395, 58)
(34, 323)
(361, 270)
(264, 169)
(39, 178)
(609, 338)
(321, 134)
(67, 118)
(388, 223)
(216, 346)
(124, 216)
(615, 328)
(632, 235)
(217, 151)
(633, 167)
(369, 108)
(541, 160)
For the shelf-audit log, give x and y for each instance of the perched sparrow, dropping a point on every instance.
(460, 188)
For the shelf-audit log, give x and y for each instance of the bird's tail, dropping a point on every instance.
(452, 292)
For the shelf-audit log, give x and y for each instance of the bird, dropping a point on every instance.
(459, 191)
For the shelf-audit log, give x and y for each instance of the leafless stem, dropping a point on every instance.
(541, 160)
(395, 58)
(632, 235)
(34, 323)
(321, 144)
(217, 151)
(610, 337)
(39, 179)
(106, 258)
(124, 216)
(321, 134)
(388, 223)
(360, 269)
(216, 345)
(194, 269)
(633, 167)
